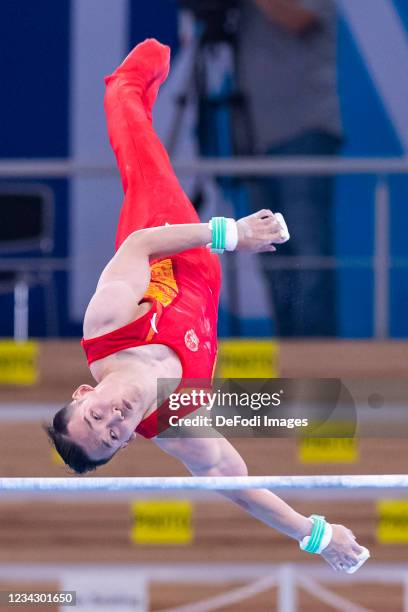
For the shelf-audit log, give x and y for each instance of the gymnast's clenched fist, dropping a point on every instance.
(259, 232)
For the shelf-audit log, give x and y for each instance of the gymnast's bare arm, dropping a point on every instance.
(126, 277)
(217, 457)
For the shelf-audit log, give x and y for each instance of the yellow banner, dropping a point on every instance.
(18, 362)
(162, 522)
(247, 359)
(392, 524)
(328, 450)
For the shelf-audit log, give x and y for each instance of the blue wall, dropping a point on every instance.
(368, 132)
(34, 64)
(34, 70)
(159, 21)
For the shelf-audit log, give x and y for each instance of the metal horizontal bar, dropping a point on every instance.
(78, 484)
(35, 264)
(236, 166)
(287, 262)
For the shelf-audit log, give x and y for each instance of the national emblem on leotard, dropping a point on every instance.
(191, 340)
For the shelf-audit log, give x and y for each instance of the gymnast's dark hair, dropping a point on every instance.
(72, 454)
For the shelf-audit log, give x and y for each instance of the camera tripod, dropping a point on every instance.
(223, 127)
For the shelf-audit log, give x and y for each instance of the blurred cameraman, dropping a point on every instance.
(287, 71)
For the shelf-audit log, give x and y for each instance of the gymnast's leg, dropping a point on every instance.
(153, 195)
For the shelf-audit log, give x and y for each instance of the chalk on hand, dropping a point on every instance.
(283, 225)
(364, 555)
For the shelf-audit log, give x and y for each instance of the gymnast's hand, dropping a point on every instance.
(343, 551)
(257, 232)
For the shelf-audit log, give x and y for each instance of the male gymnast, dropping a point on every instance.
(154, 315)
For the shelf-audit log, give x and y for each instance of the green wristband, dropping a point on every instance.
(317, 533)
(219, 233)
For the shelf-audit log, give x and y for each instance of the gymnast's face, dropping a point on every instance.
(101, 425)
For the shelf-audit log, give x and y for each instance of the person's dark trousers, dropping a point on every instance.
(304, 301)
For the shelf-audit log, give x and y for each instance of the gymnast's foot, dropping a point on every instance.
(149, 63)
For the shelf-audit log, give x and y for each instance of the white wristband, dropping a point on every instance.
(231, 239)
(328, 534)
